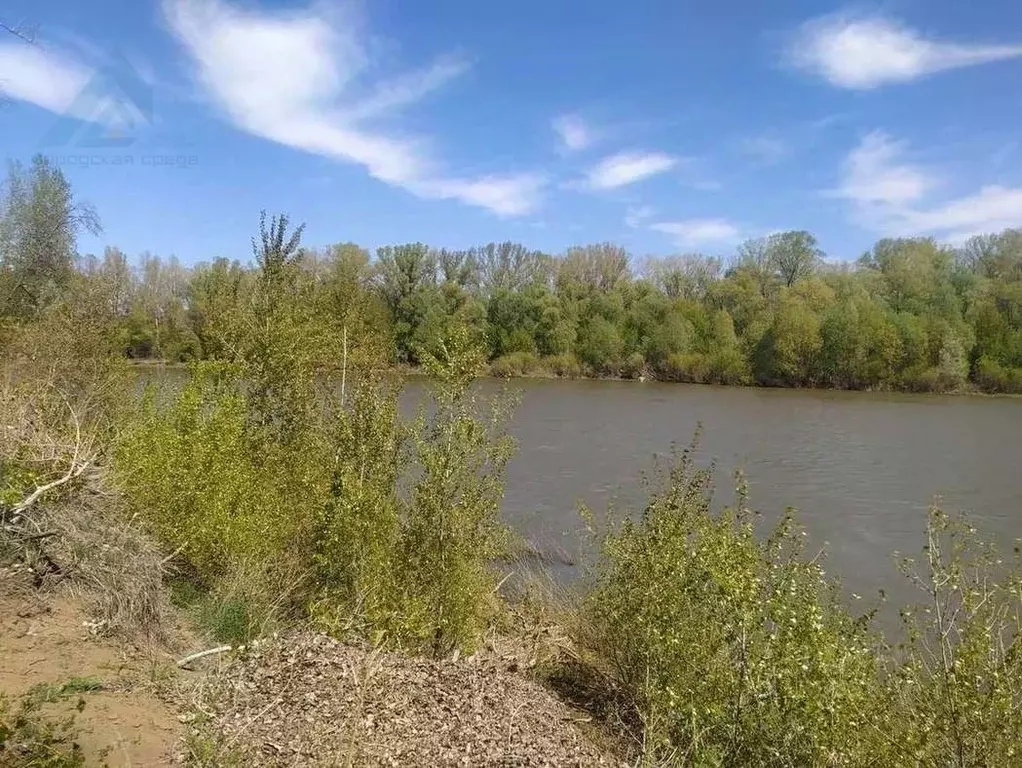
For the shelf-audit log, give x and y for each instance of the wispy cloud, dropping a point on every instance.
(79, 84)
(765, 150)
(691, 233)
(573, 132)
(636, 216)
(894, 196)
(299, 78)
(46, 78)
(627, 168)
(875, 172)
(868, 52)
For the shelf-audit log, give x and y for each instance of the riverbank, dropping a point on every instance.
(498, 370)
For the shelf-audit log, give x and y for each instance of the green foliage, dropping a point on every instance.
(208, 486)
(359, 527)
(453, 532)
(34, 739)
(731, 650)
(515, 364)
(957, 681)
(39, 224)
(30, 739)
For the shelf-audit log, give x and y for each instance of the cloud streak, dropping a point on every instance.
(893, 196)
(298, 79)
(627, 168)
(690, 233)
(869, 52)
(573, 133)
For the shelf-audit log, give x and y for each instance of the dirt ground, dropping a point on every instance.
(45, 639)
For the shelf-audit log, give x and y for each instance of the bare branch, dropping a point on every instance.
(21, 32)
(202, 654)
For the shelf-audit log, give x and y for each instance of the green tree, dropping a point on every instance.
(40, 221)
(794, 255)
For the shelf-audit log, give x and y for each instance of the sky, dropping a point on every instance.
(664, 126)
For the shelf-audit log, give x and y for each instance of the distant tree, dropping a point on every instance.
(793, 255)
(998, 257)
(407, 281)
(686, 276)
(592, 269)
(508, 266)
(39, 226)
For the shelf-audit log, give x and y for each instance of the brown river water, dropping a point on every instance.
(860, 468)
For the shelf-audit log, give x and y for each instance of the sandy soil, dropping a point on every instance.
(45, 639)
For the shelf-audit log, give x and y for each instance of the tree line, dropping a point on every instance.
(910, 314)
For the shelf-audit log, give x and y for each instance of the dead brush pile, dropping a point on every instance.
(61, 526)
(309, 699)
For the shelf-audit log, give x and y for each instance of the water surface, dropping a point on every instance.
(861, 468)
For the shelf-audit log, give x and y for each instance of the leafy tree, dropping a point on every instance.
(794, 255)
(39, 225)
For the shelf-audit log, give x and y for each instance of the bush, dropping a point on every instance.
(634, 367)
(693, 368)
(359, 528)
(216, 492)
(514, 364)
(453, 532)
(728, 366)
(957, 677)
(29, 739)
(565, 366)
(991, 376)
(730, 650)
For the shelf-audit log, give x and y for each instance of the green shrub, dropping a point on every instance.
(634, 366)
(693, 367)
(991, 376)
(453, 533)
(358, 528)
(31, 739)
(565, 366)
(957, 677)
(514, 364)
(213, 490)
(728, 366)
(732, 651)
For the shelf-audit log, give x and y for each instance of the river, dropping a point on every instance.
(860, 468)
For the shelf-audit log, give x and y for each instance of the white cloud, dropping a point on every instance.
(894, 197)
(39, 76)
(992, 209)
(875, 173)
(868, 52)
(60, 81)
(765, 150)
(627, 168)
(698, 232)
(573, 132)
(636, 216)
(298, 78)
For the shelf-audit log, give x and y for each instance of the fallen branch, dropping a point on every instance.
(202, 654)
(74, 471)
(16, 532)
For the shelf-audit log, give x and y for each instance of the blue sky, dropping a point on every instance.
(663, 126)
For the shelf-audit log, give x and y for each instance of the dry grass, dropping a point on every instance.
(60, 521)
